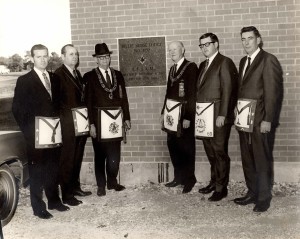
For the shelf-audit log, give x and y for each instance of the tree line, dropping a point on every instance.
(16, 63)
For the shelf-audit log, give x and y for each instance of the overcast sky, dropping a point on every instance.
(24, 23)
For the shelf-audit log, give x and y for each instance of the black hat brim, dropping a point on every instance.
(110, 52)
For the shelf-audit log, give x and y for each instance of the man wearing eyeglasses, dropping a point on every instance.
(105, 97)
(260, 79)
(216, 85)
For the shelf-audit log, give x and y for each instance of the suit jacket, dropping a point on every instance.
(263, 82)
(32, 99)
(188, 77)
(96, 96)
(70, 95)
(219, 84)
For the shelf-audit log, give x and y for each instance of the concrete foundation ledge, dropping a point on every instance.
(139, 173)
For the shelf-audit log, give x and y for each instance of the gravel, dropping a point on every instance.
(154, 211)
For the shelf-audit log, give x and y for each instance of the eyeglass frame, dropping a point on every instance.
(107, 57)
(206, 44)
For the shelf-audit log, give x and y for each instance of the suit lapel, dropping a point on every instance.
(211, 67)
(181, 66)
(242, 65)
(37, 81)
(104, 77)
(253, 66)
(71, 78)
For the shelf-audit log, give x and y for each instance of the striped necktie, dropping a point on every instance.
(203, 72)
(47, 84)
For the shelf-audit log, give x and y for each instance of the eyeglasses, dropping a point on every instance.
(205, 44)
(103, 57)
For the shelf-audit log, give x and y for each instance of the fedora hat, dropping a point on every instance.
(101, 49)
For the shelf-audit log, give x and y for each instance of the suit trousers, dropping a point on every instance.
(182, 153)
(107, 162)
(257, 160)
(70, 163)
(216, 149)
(43, 175)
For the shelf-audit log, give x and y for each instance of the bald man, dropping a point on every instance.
(177, 117)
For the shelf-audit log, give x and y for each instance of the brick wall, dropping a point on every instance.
(96, 21)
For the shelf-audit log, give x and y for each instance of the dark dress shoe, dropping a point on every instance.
(262, 206)
(59, 207)
(208, 189)
(245, 200)
(72, 201)
(172, 184)
(117, 187)
(189, 186)
(44, 214)
(81, 193)
(101, 192)
(218, 196)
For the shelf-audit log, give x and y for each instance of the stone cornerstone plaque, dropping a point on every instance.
(143, 61)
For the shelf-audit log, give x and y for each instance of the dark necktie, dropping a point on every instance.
(75, 75)
(108, 81)
(204, 70)
(47, 84)
(248, 65)
(174, 70)
(76, 78)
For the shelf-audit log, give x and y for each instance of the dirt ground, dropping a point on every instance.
(154, 211)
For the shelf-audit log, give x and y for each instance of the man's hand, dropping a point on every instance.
(127, 124)
(265, 127)
(93, 131)
(220, 121)
(186, 123)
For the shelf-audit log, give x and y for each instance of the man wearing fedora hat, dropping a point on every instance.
(106, 91)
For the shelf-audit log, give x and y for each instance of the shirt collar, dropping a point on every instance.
(212, 58)
(40, 73)
(254, 54)
(69, 68)
(103, 71)
(179, 63)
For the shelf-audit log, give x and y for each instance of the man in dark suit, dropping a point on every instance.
(181, 89)
(217, 84)
(260, 79)
(71, 96)
(35, 95)
(106, 90)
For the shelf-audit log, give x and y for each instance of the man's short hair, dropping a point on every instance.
(255, 31)
(63, 49)
(251, 29)
(212, 36)
(37, 47)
